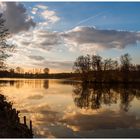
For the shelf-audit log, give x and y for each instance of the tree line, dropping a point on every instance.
(19, 72)
(96, 69)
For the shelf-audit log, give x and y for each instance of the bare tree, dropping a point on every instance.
(125, 66)
(95, 68)
(4, 46)
(96, 64)
(109, 68)
(125, 62)
(138, 67)
(82, 65)
(110, 64)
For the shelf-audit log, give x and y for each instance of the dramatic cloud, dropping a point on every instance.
(34, 10)
(46, 38)
(103, 120)
(35, 57)
(2, 7)
(47, 16)
(35, 97)
(65, 65)
(84, 39)
(43, 7)
(90, 38)
(40, 39)
(16, 16)
(50, 16)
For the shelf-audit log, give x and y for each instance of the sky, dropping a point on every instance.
(54, 34)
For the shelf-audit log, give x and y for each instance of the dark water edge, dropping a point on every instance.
(10, 126)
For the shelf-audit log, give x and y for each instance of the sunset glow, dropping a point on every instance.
(54, 34)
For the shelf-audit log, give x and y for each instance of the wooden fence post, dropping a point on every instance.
(24, 120)
(31, 126)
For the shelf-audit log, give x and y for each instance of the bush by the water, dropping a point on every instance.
(10, 126)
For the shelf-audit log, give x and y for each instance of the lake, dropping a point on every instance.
(66, 109)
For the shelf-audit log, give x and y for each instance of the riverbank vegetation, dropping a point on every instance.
(96, 69)
(88, 69)
(10, 125)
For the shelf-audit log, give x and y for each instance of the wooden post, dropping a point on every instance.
(14, 115)
(17, 113)
(18, 120)
(31, 126)
(24, 120)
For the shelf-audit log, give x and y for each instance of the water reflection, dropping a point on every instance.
(95, 95)
(33, 83)
(105, 119)
(65, 109)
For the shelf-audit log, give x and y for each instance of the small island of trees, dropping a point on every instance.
(96, 69)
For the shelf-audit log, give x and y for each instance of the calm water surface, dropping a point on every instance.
(62, 108)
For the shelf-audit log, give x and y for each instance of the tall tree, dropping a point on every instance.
(82, 65)
(96, 64)
(110, 64)
(109, 67)
(4, 46)
(125, 66)
(125, 61)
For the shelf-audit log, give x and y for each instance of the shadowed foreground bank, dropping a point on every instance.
(10, 126)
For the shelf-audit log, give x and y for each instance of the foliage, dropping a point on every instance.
(95, 68)
(4, 46)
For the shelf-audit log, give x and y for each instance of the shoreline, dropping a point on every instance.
(72, 79)
(10, 124)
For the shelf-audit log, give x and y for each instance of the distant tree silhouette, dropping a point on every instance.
(96, 69)
(96, 64)
(12, 70)
(46, 70)
(125, 66)
(110, 64)
(138, 67)
(82, 66)
(125, 61)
